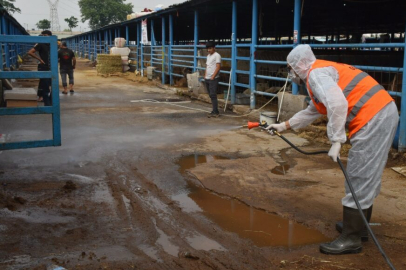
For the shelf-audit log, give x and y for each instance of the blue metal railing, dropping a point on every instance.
(54, 110)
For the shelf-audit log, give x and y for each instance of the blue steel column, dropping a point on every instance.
(233, 52)
(152, 40)
(402, 128)
(1, 45)
(138, 45)
(126, 35)
(163, 50)
(142, 55)
(5, 32)
(100, 43)
(94, 46)
(56, 120)
(296, 35)
(254, 40)
(196, 36)
(89, 39)
(170, 49)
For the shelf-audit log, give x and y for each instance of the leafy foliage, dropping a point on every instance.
(9, 6)
(44, 24)
(72, 22)
(104, 12)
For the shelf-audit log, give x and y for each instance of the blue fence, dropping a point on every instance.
(54, 110)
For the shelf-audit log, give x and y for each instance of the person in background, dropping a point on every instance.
(43, 57)
(211, 76)
(67, 63)
(351, 99)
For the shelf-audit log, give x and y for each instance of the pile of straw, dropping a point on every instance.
(108, 63)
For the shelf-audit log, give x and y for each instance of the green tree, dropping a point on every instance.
(44, 24)
(72, 22)
(104, 12)
(9, 6)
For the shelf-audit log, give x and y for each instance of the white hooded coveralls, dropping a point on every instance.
(370, 145)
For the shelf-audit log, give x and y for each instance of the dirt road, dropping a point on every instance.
(142, 185)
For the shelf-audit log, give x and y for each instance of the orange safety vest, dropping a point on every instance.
(365, 96)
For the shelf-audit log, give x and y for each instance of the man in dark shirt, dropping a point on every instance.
(67, 63)
(43, 50)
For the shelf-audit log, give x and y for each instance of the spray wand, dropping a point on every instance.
(264, 125)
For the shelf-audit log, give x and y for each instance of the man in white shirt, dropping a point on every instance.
(211, 76)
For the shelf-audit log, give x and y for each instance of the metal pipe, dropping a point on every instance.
(254, 40)
(170, 49)
(196, 40)
(296, 35)
(233, 51)
(163, 50)
(402, 126)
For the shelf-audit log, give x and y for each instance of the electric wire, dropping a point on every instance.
(388, 261)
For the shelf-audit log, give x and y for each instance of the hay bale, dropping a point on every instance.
(109, 60)
(108, 63)
(107, 69)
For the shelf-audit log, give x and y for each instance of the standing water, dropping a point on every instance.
(262, 228)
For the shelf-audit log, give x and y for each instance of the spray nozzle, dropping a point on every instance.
(251, 125)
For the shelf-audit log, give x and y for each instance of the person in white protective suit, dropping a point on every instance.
(354, 100)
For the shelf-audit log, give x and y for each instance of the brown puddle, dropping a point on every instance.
(280, 170)
(262, 228)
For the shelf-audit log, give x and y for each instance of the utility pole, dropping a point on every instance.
(54, 15)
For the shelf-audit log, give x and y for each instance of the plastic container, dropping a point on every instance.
(268, 117)
(150, 72)
(119, 42)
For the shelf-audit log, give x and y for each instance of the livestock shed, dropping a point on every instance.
(254, 38)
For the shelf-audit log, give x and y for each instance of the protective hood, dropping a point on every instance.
(301, 59)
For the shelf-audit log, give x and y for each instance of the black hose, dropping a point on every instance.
(353, 195)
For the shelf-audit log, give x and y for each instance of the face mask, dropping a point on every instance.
(292, 76)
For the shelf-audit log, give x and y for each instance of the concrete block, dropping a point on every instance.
(20, 94)
(291, 104)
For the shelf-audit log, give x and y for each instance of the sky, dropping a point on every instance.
(33, 11)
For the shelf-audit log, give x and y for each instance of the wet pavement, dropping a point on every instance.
(144, 180)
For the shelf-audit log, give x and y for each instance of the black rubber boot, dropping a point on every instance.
(350, 239)
(364, 232)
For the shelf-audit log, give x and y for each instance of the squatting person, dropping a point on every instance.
(211, 76)
(351, 99)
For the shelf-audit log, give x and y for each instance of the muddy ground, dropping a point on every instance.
(141, 185)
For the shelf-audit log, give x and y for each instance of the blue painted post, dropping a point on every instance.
(99, 49)
(95, 46)
(126, 36)
(4, 25)
(170, 49)
(56, 120)
(118, 32)
(402, 128)
(142, 55)
(110, 38)
(163, 50)
(138, 45)
(152, 40)
(196, 37)
(1, 45)
(106, 41)
(254, 40)
(89, 39)
(296, 36)
(233, 52)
